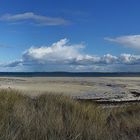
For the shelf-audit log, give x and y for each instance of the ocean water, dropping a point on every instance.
(69, 74)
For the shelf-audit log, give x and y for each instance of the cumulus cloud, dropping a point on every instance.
(132, 41)
(59, 52)
(34, 18)
(63, 56)
(129, 59)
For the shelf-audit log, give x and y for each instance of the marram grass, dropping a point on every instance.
(56, 117)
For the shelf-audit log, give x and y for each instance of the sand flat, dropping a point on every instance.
(98, 88)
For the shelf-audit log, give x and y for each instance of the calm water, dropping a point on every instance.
(68, 74)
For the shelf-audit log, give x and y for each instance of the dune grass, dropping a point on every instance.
(56, 117)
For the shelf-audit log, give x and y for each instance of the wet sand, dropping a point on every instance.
(113, 89)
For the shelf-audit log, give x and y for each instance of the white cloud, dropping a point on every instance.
(59, 52)
(63, 53)
(129, 59)
(132, 41)
(109, 59)
(63, 56)
(34, 18)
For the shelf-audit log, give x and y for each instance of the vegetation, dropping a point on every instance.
(55, 117)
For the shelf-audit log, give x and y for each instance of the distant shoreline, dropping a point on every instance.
(70, 74)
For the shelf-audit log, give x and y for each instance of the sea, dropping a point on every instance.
(69, 74)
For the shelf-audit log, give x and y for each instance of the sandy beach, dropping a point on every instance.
(95, 88)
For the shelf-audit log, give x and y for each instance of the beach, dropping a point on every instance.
(101, 89)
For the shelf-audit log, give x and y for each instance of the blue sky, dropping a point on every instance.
(76, 35)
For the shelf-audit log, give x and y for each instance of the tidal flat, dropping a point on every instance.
(100, 89)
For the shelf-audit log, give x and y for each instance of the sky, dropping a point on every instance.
(70, 35)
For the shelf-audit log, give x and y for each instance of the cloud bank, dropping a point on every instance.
(132, 41)
(34, 18)
(63, 56)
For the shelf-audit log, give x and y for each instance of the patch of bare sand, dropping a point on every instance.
(99, 88)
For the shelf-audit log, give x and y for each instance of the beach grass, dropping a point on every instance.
(57, 117)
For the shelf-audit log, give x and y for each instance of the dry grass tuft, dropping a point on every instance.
(55, 117)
